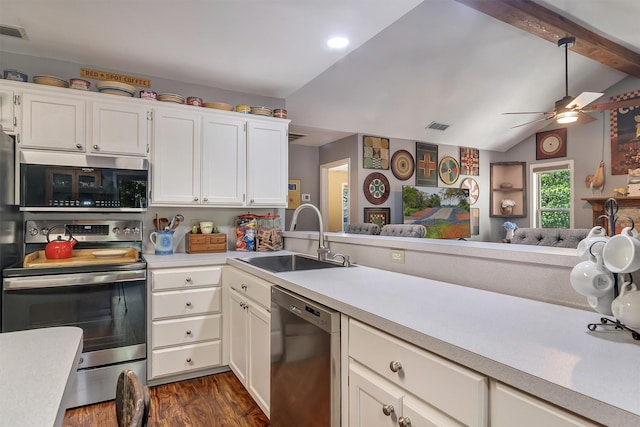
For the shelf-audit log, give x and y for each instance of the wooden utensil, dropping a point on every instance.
(164, 223)
(156, 222)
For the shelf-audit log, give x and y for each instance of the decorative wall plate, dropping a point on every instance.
(376, 188)
(449, 170)
(402, 165)
(474, 191)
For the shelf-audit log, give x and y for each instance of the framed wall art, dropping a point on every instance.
(625, 136)
(376, 188)
(469, 161)
(475, 221)
(474, 190)
(293, 198)
(551, 144)
(426, 164)
(375, 152)
(380, 216)
(402, 165)
(449, 170)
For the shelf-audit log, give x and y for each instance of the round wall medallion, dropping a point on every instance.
(474, 191)
(376, 188)
(449, 170)
(402, 165)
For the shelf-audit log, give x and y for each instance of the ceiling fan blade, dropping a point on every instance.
(529, 123)
(530, 112)
(634, 102)
(585, 98)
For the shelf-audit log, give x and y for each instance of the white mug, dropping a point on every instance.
(593, 243)
(590, 278)
(602, 304)
(626, 307)
(621, 253)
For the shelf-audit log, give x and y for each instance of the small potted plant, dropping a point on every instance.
(506, 206)
(511, 228)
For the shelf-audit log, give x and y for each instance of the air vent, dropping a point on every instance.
(295, 136)
(12, 31)
(437, 126)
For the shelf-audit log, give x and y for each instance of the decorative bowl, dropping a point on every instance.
(15, 75)
(79, 84)
(243, 108)
(280, 113)
(218, 106)
(195, 101)
(50, 81)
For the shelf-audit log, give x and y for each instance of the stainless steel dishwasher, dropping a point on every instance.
(305, 362)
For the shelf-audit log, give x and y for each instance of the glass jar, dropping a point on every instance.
(269, 233)
(246, 232)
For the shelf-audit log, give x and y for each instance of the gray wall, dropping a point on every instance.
(346, 148)
(304, 165)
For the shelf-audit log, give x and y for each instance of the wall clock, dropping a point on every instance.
(376, 188)
(551, 144)
(449, 170)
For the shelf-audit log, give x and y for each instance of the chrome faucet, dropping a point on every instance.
(322, 249)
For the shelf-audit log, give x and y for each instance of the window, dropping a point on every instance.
(552, 194)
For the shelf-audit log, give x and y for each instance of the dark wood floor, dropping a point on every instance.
(212, 401)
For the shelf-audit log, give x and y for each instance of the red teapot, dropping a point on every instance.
(59, 248)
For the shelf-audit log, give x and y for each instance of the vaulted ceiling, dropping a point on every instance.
(410, 62)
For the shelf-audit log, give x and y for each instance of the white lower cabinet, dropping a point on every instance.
(510, 407)
(250, 334)
(393, 383)
(185, 332)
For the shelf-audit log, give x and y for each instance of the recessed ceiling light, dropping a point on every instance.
(338, 42)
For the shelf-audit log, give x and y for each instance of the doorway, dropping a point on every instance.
(334, 194)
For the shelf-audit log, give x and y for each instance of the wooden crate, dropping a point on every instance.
(204, 243)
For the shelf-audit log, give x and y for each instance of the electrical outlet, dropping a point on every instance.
(397, 255)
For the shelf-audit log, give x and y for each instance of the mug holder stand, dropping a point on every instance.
(611, 210)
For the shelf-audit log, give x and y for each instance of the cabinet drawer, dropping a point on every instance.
(509, 404)
(186, 358)
(457, 391)
(251, 286)
(185, 331)
(185, 303)
(177, 278)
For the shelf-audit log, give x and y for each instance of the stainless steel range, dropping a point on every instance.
(101, 289)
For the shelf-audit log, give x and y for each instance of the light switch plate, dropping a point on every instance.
(306, 197)
(397, 255)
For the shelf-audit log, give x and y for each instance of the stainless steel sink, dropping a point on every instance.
(283, 263)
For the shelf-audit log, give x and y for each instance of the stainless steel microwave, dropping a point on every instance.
(70, 182)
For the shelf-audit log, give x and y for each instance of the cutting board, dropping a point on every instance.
(83, 257)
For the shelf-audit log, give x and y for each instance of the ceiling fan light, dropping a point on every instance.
(567, 117)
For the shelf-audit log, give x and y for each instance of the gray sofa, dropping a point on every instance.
(404, 230)
(362, 228)
(558, 237)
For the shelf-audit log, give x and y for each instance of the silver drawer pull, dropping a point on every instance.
(79, 146)
(404, 421)
(188, 360)
(387, 410)
(244, 287)
(96, 147)
(189, 280)
(395, 366)
(188, 332)
(188, 303)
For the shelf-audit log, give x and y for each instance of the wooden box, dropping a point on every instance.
(203, 243)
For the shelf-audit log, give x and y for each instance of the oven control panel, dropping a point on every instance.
(84, 230)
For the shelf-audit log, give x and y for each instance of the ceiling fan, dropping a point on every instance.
(570, 110)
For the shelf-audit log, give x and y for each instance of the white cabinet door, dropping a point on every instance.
(238, 354)
(7, 111)
(223, 160)
(259, 361)
(53, 122)
(417, 413)
(119, 128)
(175, 164)
(267, 165)
(373, 402)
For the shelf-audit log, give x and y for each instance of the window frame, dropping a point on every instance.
(534, 170)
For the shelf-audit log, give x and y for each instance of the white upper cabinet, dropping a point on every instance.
(223, 160)
(175, 159)
(119, 128)
(53, 122)
(7, 110)
(267, 164)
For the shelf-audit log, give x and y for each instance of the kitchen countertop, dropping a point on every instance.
(541, 348)
(36, 369)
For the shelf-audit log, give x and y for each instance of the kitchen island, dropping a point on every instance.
(37, 368)
(540, 348)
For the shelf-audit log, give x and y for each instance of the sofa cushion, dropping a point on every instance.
(404, 230)
(558, 237)
(362, 228)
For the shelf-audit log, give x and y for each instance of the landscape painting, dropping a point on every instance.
(445, 212)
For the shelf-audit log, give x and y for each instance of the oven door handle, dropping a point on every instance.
(76, 279)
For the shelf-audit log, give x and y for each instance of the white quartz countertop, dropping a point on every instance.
(541, 348)
(36, 368)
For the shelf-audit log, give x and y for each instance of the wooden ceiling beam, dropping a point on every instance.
(551, 26)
